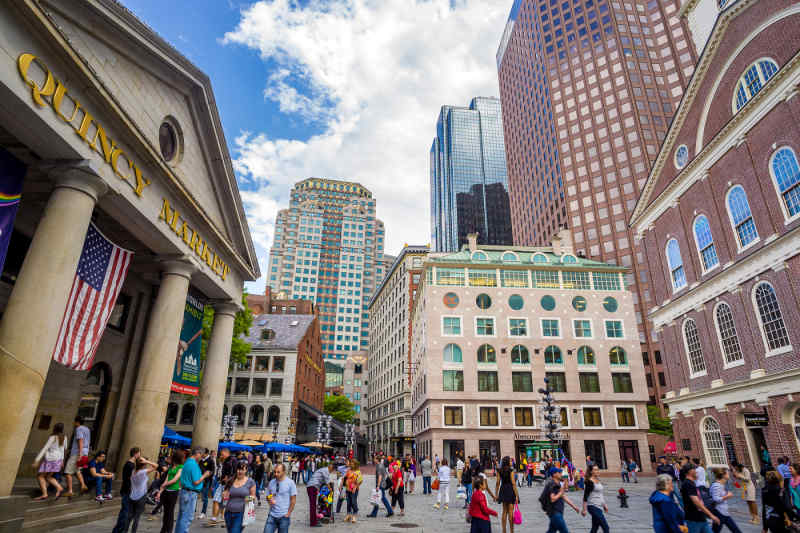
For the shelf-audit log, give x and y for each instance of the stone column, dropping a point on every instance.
(32, 319)
(208, 417)
(148, 408)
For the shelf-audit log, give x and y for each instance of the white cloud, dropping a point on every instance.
(374, 74)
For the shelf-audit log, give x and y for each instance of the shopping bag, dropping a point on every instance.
(461, 493)
(375, 497)
(249, 513)
(517, 515)
(468, 517)
(435, 484)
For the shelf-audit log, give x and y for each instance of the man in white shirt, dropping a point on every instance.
(701, 473)
(459, 468)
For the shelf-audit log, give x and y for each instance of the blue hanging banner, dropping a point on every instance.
(12, 171)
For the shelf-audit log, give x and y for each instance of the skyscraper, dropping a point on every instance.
(588, 89)
(469, 184)
(328, 248)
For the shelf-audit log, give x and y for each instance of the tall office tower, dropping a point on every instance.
(588, 89)
(388, 418)
(328, 248)
(469, 184)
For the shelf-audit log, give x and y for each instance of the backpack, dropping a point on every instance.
(705, 495)
(544, 497)
(466, 476)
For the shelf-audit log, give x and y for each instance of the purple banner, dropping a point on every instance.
(11, 173)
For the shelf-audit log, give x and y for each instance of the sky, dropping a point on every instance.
(342, 89)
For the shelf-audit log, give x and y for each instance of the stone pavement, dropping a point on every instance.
(421, 517)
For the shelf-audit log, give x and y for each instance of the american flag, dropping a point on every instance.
(101, 272)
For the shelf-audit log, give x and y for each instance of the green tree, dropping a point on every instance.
(339, 407)
(241, 325)
(658, 424)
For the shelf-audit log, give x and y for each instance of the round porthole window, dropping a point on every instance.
(579, 303)
(450, 300)
(483, 301)
(515, 302)
(169, 140)
(548, 302)
(610, 304)
(681, 156)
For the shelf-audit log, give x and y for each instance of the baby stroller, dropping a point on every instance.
(325, 505)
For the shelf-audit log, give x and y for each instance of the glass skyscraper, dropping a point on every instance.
(469, 183)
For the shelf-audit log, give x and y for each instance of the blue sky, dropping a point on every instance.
(346, 89)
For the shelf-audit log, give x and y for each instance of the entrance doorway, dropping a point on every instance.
(629, 449)
(94, 396)
(489, 451)
(452, 449)
(596, 449)
(760, 443)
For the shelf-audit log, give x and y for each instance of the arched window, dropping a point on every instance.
(452, 354)
(705, 243)
(486, 354)
(172, 413)
(694, 350)
(712, 442)
(187, 414)
(273, 415)
(519, 354)
(586, 356)
(256, 417)
(786, 173)
(675, 264)
(510, 257)
(617, 356)
(726, 329)
(752, 81)
(478, 255)
(552, 356)
(540, 259)
(741, 217)
(569, 259)
(770, 318)
(239, 412)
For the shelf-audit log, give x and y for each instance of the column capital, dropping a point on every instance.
(225, 307)
(78, 174)
(179, 265)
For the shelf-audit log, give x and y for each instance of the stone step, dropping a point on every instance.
(72, 518)
(51, 508)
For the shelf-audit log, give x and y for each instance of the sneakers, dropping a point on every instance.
(446, 507)
(109, 497)
(202, 516)
(99, 499)
(436, 505)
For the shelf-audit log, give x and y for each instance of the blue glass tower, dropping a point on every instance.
(469, 183)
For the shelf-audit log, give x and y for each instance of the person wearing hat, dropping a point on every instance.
(554, 496)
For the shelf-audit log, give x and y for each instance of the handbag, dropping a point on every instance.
(54, 452)
(435, 484)
(249, 513)
(517, 515)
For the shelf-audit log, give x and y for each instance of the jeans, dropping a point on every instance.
(426, 484)
(385, 502)
(598, 519)
(352, 502)
(698, 527)
(233, 522)
(208, 485)
(102, 483)
(312, 504)
(124, 515)
(187, 500)
(634, 477)
(468, 499)
(724, 521)
(281, 525)
(530, 477)
(557, 524)
(625, 478)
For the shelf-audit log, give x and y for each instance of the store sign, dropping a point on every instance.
(47, 90)
(526, 436)
(756, 420)
(313, 364)
(192, 239)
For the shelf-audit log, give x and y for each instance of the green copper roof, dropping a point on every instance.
(526, 258)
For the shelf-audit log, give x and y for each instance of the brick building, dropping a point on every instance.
(720, 220)
(277, 302)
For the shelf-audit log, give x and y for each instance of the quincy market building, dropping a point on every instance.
(107, 123)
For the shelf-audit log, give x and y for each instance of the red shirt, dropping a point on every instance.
(397, 479)
(478, 507)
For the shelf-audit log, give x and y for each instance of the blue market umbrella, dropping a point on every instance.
(171, 437)
(233, 446)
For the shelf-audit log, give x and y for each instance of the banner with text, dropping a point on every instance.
(186, 376)
(11, 173)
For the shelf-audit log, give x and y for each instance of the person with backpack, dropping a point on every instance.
(720, 496)
(552, 501)
(774, 508)
(696, 502)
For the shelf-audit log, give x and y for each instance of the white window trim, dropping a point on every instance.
(602, 417)
(572, 256)
(591, 327)
(514, 407)
(709, 464)
(460, 326)
(605, 329)
(703, 269)
(499, 416)
(503, 255)
(555, 366)
(635, 416)
(541, 327)
(725, 364)
(569, 420)
(692, 375)
(494, 328)
(739, 247)
(584, 366)
(669, 266)
(472, 256)
(463, 415)
(461, 368)
(787, 219)
(675, 157)
(767, 351)
(534, 256)
(740, 79)
(527, 327)
(520, 366)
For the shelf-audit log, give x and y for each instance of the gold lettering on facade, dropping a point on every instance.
(46, 89)
(172, 218)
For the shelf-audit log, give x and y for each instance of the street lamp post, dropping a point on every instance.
(228, 424)
(552, 419)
